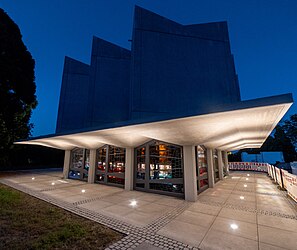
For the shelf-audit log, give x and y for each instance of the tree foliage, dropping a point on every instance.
(17, 86)
(290, 128)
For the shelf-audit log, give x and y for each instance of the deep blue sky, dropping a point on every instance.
(263, 36)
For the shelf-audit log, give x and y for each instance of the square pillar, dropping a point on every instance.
(92, 167)
(221, 165)
(210, 168)
(190, 179)
(66, 164)
(129, 167)
(226, 162)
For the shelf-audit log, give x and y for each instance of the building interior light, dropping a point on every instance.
(234, 226)
(133, 203)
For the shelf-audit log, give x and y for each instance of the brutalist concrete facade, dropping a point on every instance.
(171, 69)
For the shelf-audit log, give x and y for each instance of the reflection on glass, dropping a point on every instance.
(215, 165)
(101, 158)
(163, 164)
(80, 164)
(116, 160)
(201, 169)
(140, 163)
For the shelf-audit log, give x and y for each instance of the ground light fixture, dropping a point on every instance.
(247, 179)
(241, 197)
(33, 178)
(245, 185)
(248, 174)
(234, 226)
(133, 203)
(53, 183)
(83, 190)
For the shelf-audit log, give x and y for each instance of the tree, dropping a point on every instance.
(17, 87)
(290, 127)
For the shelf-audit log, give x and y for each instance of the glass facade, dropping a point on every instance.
(110, 165)
(215, 165)
(80, 164)
(201, 168)
(159, 168)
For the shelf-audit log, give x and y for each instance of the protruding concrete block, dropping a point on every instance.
(221, 165)
(190, 179)
(92, 168)
(129, 169)
(66, 166)
(210, 168)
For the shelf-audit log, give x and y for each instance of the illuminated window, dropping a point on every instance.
(80, 164)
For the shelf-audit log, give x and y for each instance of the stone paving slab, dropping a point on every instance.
(244, 211)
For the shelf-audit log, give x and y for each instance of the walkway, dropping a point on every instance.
(245, 211)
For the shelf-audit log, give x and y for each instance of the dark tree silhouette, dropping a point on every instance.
(17, 87)
(290, 127)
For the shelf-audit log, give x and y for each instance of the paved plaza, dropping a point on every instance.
(244, 211)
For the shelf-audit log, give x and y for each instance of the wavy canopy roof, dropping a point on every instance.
(245, 124)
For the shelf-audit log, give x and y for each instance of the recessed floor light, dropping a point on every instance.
(83, 190)
(241, 197)
(234, 226)
(245, 185)
(53, 183)
(133, 203)
(33, 178)
(247, 179)
(248, 174)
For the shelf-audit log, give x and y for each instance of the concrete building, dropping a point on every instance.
(161, 117)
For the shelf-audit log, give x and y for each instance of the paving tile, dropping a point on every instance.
(200, 219)
(238, 215)
(278, 222)
(217, 240)
(184, 232)
(278, 237)
(204, 208)
(244, 229)
(264, 246)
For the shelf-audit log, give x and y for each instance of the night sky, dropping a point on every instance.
(263, 36)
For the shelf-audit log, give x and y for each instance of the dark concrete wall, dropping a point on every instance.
(73, 96)
(177, 68)
(109, 83)
(172, 69)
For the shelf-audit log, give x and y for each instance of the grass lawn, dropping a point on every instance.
(29, 223)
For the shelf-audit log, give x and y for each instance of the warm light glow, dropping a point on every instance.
(241, 197)
(53, 183)
(247, 179)
(234, 226)
(245, 185)
(83, 190)
(133, 203)
(33, 178)
(248, 174)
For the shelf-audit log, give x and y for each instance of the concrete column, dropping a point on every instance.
(92, 168)
(221, 165)
(226, 162)
(66, 163)
(190, 179)
(210, 168)
(129, 167)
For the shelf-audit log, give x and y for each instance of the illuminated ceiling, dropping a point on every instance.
(245, 127)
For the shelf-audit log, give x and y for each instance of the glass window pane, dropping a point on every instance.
(116, 160)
